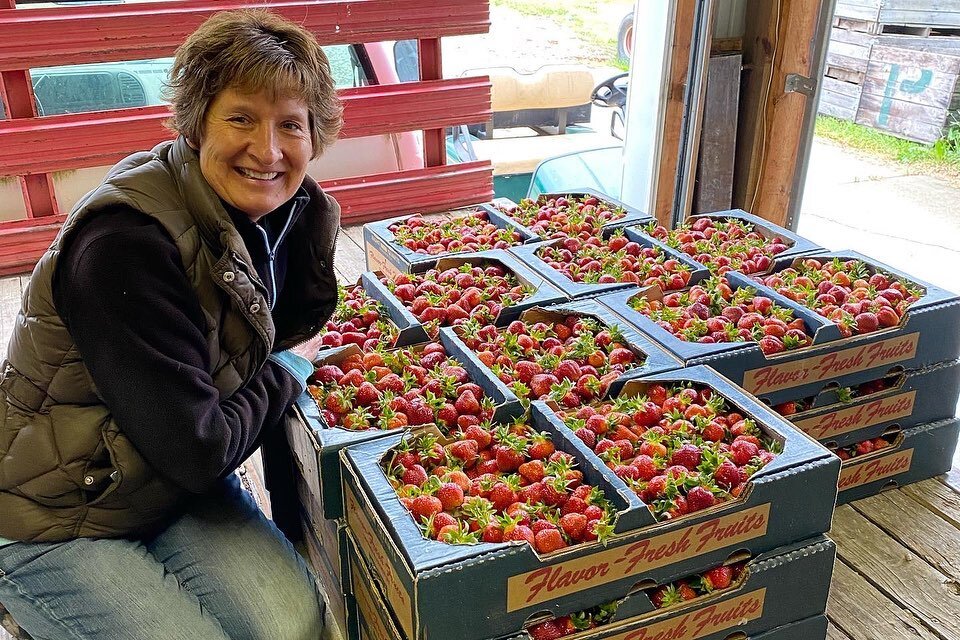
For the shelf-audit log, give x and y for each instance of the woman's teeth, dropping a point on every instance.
(257, 175)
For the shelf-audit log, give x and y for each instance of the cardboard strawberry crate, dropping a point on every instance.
(651, 358)
(388, 255)
(541, 291)
(406, 327)
(618, 214)
(421, 576)
(315, 444)
(773, 590)
(531, 254)
(922, 340)
(915, 454)
(769, 232)
(326, 532)
(330, 581)
(885, 406)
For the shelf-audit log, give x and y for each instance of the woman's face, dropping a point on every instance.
(255, 149)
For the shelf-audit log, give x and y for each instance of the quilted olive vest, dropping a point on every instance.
(66, 468)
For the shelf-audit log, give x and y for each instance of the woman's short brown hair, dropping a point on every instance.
(252, 50)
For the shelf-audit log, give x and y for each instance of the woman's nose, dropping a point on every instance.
(265, 146)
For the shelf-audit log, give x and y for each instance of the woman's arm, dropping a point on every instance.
(123, 291)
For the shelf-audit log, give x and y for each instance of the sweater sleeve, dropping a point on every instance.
(124, 294)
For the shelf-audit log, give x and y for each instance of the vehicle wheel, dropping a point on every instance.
(625, 39)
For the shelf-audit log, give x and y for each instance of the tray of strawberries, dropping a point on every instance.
(615, 259)
(571, 354)
(492, 287)
(560, 215)
(731, 241)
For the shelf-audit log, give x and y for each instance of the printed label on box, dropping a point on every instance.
(703, 622)
(376, 261)
(631, 559)
(831, 365)
(876, 469)
(853, 418)
(367, 541)
(368, 610)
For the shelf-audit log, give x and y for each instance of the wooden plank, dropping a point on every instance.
(874, 104)
(938, 498)
(952, 478)
(900, 126)
(135, 31)
(842, 88)
(718, 136)
(355, 231)
(897, 572)
(936, 61)
(947, 17)
(949, 46)
(863, 613)
(833, 633)
(838, 105)
(850, 76)
(925, 533)
(865, 26)
(867, 10)
(350, 259)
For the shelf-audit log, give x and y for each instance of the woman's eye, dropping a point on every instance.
(293, 126)
(237, 119)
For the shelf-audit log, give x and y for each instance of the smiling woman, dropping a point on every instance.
(181, 300)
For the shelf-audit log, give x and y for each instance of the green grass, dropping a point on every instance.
(595, 22)
(943, 154)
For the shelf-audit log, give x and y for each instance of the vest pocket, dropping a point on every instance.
(101, 481)
(20, 392)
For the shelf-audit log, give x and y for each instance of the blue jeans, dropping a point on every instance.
(222, 571)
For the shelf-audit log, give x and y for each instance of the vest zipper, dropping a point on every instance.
(272, 255)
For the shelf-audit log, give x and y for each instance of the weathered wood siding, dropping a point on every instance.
(867, 10)
(840, 99)
(908, 93)
(920, 13)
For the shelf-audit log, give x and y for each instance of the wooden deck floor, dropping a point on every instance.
(898, 572)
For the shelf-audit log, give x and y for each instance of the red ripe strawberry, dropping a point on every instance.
(713, 432)
(718, 578)
(541, 448)
(478, 434)
(502, 496)
(687, 455)
(548, 630)
(532, 471)
(588, 437)
(627, 472)
(509, 459)
(467, 403)
(419, 413)
(415, 475)
(598, 424)
(865, 447)
(444, 519)
(593, 512)
(646, 467)
(699, 498)
(450, 495)
(447, 416)
(465, 451)
(548, 540)
(887, 317)
(866, 322)
(649, 416)
(727, 475)
(520, 532)
(531, 494)
(656, 487)
(658, 394)
(742, 451)
(621, 355)
(391, 382)
(686, 591)
(541, 384)
(574, 525)
(327, 373)
(492, 533)
(568, 370)
(425, 506)
(574, 504)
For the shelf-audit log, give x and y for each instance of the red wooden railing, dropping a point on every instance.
(32, 147)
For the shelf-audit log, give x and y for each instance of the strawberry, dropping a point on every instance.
(327, 373)
(718, 578)
(742, 451)
(419, 413)
(699, 498)
(688, 456)
(509, 459)
(548, 630)
(465, 451)
(574, 525)
(450, 495)
(415, 475)
(425, 506)
(492, 533)
(588, 437)
(541, 447)
(520, 532)
(467, 403)
(727, 475)
(548, 541)
(646, 467)
(541, 384)
(532, 471)
(502, 496)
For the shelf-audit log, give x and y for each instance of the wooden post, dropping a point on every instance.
(16, 91)
(781, 39)
(431, 68)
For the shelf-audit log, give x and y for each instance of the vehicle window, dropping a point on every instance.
(345, 66)
(78, 92)
(407, 60)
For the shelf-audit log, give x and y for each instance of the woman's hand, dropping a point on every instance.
(309, 348)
